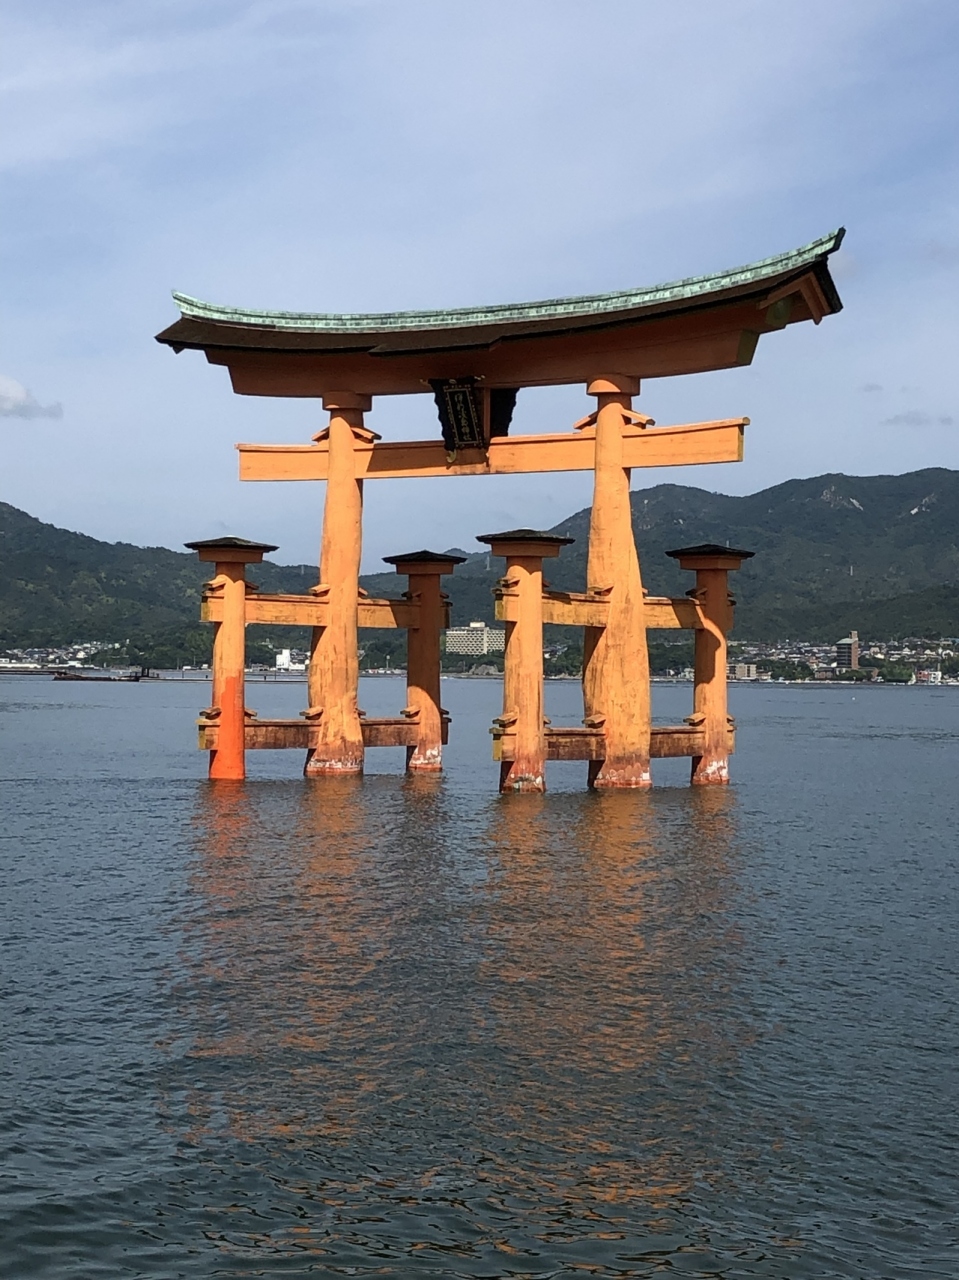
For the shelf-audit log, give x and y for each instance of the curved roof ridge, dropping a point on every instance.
(580, 304)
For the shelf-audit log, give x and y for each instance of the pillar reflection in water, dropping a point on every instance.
(612, 984)
(401, 999)
(280, 938)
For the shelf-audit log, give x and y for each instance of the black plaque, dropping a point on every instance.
(460, 405)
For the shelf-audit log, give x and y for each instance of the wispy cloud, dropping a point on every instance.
(17, 402)
(366, 155)
(916, 418)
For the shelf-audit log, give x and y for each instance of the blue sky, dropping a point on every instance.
(380, 154)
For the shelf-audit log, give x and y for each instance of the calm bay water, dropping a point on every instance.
(408, 1027)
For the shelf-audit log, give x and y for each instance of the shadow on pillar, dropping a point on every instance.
(712, 564)
(521, 739)
(227, 711)
(423, 655)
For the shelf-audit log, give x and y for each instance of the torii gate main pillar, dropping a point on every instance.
(334, 670)
(616, 692)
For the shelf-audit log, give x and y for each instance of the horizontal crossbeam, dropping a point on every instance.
(562, 608)
(689, 445)
(273, 735)
(584, 609)
(666, 741)
(312, 611)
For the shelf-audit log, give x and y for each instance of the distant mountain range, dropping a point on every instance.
(879, 553)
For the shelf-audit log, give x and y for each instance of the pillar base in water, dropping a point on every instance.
(710, 773)
(225, 768)
(424, 760)
(330, 766)
(513, 778)
(604, 775)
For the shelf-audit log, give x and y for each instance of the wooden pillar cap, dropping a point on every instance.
(532, 543)
(347, 400)
(613, 384)
(425, 562)
(710, 555)
(239, 550)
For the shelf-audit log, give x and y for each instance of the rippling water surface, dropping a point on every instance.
(408, 1027)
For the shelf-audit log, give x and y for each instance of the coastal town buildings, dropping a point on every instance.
(477, 638)
(847, 652)
(926, 661)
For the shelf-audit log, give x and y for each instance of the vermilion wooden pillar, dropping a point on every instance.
(423, 659)
(616, 691)
(712, 564)
(334, 670)
(524, 550)
(230, 557)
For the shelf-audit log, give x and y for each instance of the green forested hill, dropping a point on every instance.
(880, 553)
(57, 586)
(825, 549)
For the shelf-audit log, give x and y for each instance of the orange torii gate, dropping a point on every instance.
(475, 361)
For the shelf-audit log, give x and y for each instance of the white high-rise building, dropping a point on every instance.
(477, 638)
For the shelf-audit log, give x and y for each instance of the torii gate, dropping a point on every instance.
(475, 360)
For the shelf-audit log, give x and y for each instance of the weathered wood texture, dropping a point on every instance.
(580, 609)
(423, 672)
(665, 741)
(686, 445)
(313, 611)
(710, 697)
(522, 592)
(274, 735)
(333, 676)
(616, 693)
(229, 661)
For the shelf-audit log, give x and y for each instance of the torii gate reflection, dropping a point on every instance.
(384, 983)
(475, 361)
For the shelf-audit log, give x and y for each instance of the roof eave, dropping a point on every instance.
(528, 319)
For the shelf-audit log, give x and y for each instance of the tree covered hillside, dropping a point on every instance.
(880, 553)
(825, 549)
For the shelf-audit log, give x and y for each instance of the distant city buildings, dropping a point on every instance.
(847, 652)
(915, 660)
(475, 639)
(742, 671)
(286, 660)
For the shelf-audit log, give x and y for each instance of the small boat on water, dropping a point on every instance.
(131, 678)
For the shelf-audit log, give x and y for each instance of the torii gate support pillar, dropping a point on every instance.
(616, 692)
(334, 670)
(522, 591)
(227, 710)
(423, 656)
(712, 565)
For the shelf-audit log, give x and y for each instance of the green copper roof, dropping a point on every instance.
(462, 317)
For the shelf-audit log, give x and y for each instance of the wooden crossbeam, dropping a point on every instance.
(311, 611)
(563, 608)
(664, 613)
(277, 735)
(582, 609)
(688, 445)
(666, 741)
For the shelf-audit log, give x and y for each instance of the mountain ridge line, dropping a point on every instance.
(830, 550)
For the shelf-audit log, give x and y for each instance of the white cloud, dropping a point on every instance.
(368, 155)
(916, 418)
(17, 402)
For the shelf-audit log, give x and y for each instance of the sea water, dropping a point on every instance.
(408, 1027)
